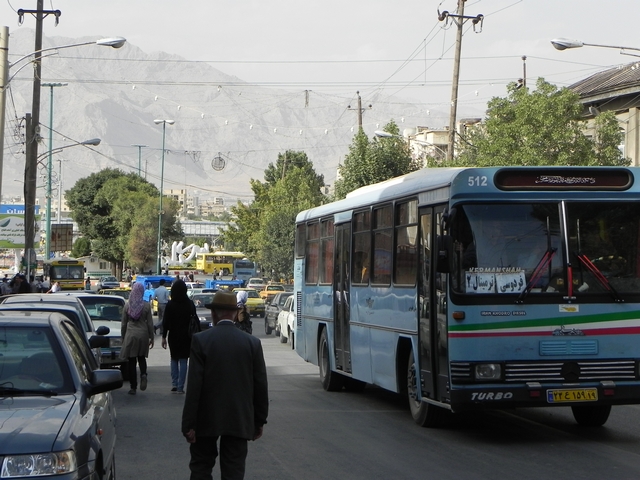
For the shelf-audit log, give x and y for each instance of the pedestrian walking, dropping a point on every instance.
(243, 320)
(161, 295)
(137, 336)
(227, 395)
(175, 327)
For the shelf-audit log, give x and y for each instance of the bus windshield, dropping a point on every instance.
(507, 249)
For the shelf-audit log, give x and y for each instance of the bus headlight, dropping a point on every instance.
(488, 371)
(55, 463)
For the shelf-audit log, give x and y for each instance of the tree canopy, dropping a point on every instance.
(118, 213)
(373, 161)
(542, 127)
(265, 228)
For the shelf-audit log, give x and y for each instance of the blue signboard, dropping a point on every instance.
(16, 209)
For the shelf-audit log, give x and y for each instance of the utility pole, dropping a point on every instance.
(140, 147)
(524, 71)
(458, 20)
(360, 110)
(4, 78)
(33, 131)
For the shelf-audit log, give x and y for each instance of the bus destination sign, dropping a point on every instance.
(564, 179)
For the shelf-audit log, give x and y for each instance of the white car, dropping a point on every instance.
(286, 324)
(256, 283)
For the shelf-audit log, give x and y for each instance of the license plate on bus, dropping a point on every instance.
(573, 395)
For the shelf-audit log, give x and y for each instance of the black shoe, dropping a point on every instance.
(143, 382)
(132, 391)
(174, 389)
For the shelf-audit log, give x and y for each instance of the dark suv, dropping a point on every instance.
(272, 309)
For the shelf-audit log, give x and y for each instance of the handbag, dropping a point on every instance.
(194, 323)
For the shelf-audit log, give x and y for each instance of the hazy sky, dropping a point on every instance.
(341, 46)
(396, 49)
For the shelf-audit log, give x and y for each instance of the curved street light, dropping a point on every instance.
(33, 122)
(567, 43)
(164, 132)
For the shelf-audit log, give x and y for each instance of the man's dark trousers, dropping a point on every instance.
(233, 455)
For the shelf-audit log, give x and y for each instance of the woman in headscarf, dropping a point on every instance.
(243, 321)
(137, 335)
(175, 325)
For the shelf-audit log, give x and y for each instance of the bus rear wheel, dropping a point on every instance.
(331, 381)
(591, 415)
(424, 414)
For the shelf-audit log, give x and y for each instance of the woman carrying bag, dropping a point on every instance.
(175, 326)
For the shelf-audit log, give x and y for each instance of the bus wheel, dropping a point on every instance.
(592, 415)
(353, 385)
(331, 381)
(424, 414)
(283, 339)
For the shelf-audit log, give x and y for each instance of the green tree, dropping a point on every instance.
(374, 161)
(81, 247)
(264, 229)
(542, 127)
(111, 207)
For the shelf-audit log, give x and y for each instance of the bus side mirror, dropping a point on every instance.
(444, 252)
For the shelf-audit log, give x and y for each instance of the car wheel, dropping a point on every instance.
(283, 339)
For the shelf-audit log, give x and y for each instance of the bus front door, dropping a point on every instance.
(432, 317)
(341, 297)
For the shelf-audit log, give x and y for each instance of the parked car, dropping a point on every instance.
(58, 419)
(287, 321)
(204, 314)
(194, 291)
(255, 304)
(106, 310)
(272, 309)
(257, 283)
(42, 301)
(108, 282)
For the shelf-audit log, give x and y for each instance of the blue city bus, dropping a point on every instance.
(244, 269)
(477, 288)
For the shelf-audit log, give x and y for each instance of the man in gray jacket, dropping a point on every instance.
(227, 393)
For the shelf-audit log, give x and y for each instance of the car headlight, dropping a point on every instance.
(55, 463)
(115, 342)
(488, 371)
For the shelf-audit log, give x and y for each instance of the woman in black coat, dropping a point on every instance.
(175, 325)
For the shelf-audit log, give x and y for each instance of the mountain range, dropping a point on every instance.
(226, 130)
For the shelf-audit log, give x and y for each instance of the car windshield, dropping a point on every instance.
(109, 279)
(106, 308)
(201, 299)
(252, 294)
(29, 363)
(120, 293)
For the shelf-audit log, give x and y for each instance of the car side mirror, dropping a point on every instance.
(99, 341)
(103, 330)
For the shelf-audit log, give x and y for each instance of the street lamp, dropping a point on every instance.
(164, 132)
(567, 43)
(47, 250)
(33, 126)
(94, 142)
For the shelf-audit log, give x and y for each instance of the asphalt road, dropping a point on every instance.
(313, 434)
